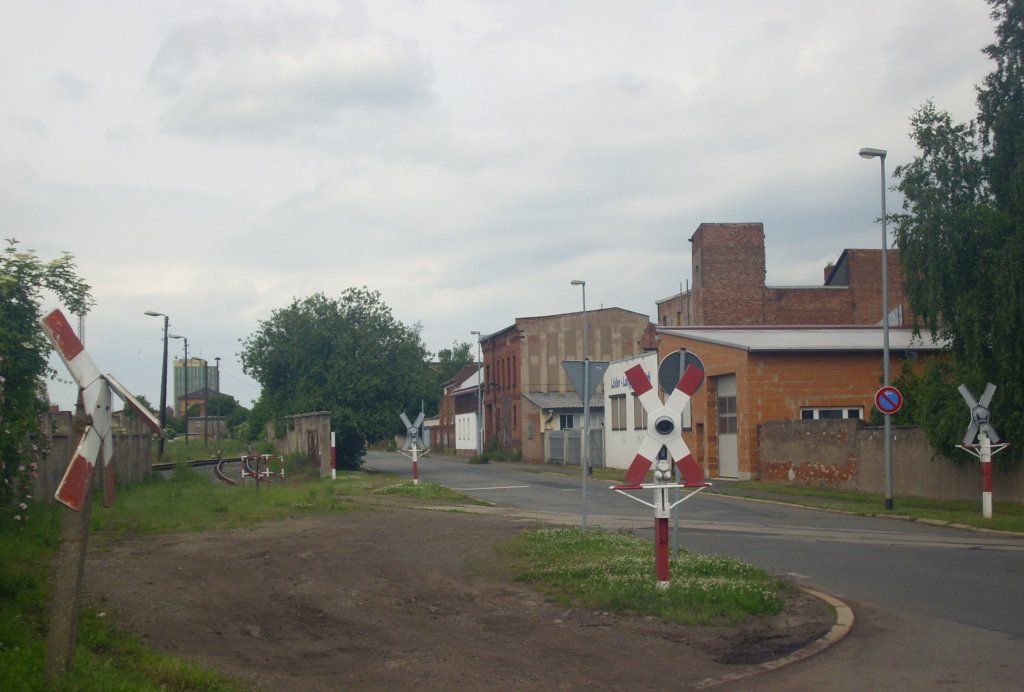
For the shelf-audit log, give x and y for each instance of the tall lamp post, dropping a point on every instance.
(479, 397)
(585, 437)
(185, 338)
(216, 401)
(163, 380)
(869, 153)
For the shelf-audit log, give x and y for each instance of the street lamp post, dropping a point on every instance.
(163, 380)
(216, 401)
(869, 153)
(479, 397)
(175, 336)
(585, 437)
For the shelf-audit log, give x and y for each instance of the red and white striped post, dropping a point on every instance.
(986, 475)
(334, 459)
(663, 434)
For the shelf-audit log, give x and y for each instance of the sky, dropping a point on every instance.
(216, 160)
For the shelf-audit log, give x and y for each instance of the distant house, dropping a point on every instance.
(444, 433)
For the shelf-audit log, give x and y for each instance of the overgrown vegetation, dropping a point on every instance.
(961, 240)
(23, 359)
(615, 571)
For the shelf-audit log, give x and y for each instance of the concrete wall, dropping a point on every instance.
(848, 455)
(309, 434)
(132, 452)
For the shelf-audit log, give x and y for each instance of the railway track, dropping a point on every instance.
(233, 470)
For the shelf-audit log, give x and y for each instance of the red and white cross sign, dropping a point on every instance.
(663, 432)
(96, 392)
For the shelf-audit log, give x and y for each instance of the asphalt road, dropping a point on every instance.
(936, 607)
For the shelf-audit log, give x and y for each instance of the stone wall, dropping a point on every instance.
(847, 455)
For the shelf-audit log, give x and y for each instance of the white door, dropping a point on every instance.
(728, 453)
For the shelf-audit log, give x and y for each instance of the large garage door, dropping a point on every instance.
(728, 454)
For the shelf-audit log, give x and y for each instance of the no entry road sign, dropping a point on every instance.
(888, 400)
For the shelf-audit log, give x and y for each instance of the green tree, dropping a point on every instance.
(961, 240)
(24, 281)
(451, 360)
(447, 363)
(349, 356)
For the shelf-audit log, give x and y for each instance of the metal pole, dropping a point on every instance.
(584, 441)
(479, 398)
(880, 154)
(216, 411)
(206, 403)
(885, 347)
(163, 381)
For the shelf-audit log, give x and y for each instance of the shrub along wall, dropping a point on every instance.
(848, 455)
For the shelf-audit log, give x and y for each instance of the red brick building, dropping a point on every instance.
(759, 374)
(526, 357)
(779, 352)
(729, 288)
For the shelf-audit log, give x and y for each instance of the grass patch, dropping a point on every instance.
(615, 571)
(426, 490)
(1006, 516)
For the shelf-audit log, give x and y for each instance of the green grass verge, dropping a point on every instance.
(615, 571)
(1006, 516)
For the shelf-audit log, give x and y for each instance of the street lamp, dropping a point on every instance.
(163, 381)
(479, 397)
(584, 438)
(869, 153)
(216, 401)
(185, 338)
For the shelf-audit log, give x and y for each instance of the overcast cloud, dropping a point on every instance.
(216, 160)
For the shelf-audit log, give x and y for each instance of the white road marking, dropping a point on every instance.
(494, 487)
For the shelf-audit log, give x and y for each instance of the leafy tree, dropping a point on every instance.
(451, 360)
(349, 356)
(24, 350)
(961, 240)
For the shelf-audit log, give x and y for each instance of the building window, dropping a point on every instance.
(727, 415)
(831, 413)
(566, 421)
(618, 412)
(639, 414)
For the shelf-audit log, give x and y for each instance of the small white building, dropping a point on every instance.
(466, 415)
(625, 419)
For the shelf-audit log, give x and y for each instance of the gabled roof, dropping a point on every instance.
(797, 339)
(470, 384)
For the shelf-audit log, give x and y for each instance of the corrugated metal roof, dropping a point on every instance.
(806, 338)
(561, 401)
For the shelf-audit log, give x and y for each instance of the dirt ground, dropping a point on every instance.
(402, 598)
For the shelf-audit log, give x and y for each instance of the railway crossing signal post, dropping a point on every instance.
(662, 448)
(96, 446)
(981, 429)
(414, 443)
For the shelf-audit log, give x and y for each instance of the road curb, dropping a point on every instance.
(841, 628)
(838, 631)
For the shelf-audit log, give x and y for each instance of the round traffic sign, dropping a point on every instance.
(672, 367)
(888, 400)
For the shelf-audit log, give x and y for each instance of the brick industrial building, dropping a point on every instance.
(525, 359)
(779, 353)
